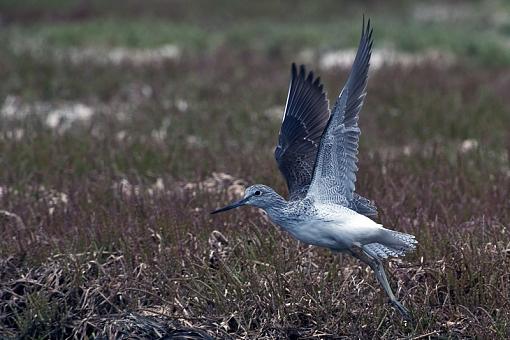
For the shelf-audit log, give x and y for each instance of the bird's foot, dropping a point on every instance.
(406, 314)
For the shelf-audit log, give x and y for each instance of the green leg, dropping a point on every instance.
(378, 269)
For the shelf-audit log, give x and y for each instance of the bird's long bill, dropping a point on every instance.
(231, 206)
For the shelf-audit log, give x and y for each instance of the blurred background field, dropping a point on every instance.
(123, 123)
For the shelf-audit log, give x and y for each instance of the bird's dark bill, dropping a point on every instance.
(230, 206)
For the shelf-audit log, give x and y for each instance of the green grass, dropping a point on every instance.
(118, 32)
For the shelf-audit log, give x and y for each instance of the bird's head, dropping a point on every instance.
(258, 195)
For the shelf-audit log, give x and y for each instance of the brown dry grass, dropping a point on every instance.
(159, 257)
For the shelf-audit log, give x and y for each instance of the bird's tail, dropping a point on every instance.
(393, 244)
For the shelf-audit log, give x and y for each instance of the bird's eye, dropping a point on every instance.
(258, 193)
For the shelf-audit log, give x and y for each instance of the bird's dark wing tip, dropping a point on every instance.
(367, 30)
(307, 77)
(293, 70)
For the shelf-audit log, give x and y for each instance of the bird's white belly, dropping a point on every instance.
(317, 233)
(336, 233)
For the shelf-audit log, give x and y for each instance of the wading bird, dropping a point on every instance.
(316, 154)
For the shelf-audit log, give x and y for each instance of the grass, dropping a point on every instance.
(105, 225)
(486, 46)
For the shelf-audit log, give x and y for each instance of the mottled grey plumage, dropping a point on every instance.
(317, 155)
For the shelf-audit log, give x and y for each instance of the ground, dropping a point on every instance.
(123, 124)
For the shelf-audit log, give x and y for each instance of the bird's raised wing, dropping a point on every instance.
(305, 117)
(335, 169)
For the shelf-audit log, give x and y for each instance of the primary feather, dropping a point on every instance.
(305, 116)
(312, 144)
(335, 168)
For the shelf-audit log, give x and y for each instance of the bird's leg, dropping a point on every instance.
(377, 267)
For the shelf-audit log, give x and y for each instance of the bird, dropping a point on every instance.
(317, 155)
